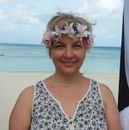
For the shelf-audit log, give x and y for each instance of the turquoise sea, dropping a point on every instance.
(34, 58)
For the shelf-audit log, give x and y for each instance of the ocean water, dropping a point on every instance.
(34, 58)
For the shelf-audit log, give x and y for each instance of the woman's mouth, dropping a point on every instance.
(69, 63)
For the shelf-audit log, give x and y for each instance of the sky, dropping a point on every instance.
(24, 21)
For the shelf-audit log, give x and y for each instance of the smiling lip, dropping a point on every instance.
(69, 63)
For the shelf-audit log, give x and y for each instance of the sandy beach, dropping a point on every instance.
(11, 84)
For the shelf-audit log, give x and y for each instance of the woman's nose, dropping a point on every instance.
(68, 53)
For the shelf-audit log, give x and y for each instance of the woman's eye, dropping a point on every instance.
(77, 46)
(59, 46)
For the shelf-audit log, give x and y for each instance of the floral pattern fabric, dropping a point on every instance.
(48, 115)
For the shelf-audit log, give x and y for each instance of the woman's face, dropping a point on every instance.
(67, 54)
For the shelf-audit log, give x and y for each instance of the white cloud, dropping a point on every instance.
(100, 8)
(3, 16)
(19, 17)
(7, 1)
(110, 5)
(24, 15)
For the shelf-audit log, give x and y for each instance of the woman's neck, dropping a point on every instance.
(72, 79)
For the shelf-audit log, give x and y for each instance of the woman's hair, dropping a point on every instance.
(62, 18)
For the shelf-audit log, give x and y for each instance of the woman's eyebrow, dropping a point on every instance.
(59, 42)
(77, 42)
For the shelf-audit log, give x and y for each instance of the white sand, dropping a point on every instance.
(11, 84)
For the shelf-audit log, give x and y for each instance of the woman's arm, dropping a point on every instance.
(20, 118)
(111, 111)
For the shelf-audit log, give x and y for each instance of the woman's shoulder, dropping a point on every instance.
(105, 91)
(31, 90)
(104, 88)
(26, 96)
(100, 88)
(107, 95)
(28, 91)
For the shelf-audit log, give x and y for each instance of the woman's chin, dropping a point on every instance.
(69, 71)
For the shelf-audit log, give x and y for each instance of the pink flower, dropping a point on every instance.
(87, 41)
(48, 38)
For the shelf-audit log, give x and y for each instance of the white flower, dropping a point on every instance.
(81, 28)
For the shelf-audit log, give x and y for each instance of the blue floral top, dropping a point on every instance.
(48, 114)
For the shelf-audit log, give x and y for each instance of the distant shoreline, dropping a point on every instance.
(40, 44)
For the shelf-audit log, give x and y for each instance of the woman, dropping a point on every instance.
(66, 100)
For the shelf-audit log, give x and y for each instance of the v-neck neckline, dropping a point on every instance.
(59, 102)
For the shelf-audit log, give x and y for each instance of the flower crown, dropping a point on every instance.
(78, 30)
